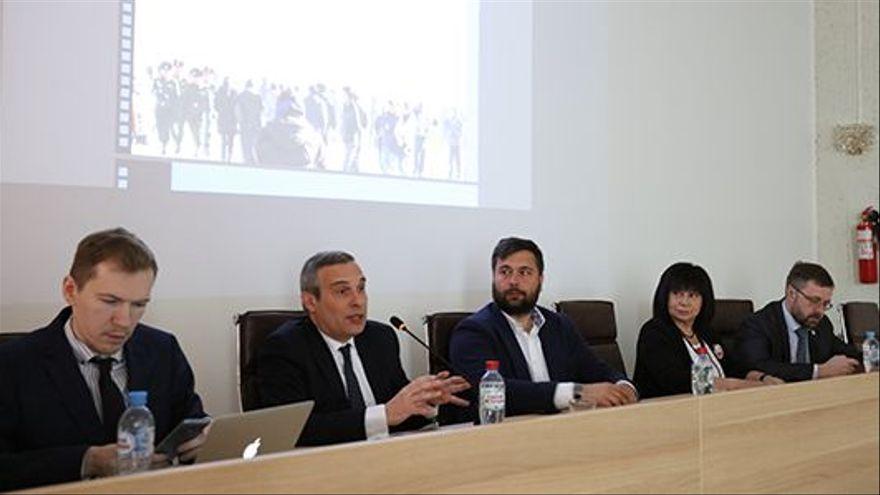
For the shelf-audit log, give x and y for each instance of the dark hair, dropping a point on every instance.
(308, 277)
(682, 277)
(803, 272)
(126, 250)
(510, 245)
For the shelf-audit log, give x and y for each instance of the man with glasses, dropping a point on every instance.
(793, 339)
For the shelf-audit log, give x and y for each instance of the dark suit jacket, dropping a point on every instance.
(296, 365)
(487, 335)
(663, 364)
(47, 415)
(763, 345)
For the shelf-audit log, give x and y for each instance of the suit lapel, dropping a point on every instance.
(670, 331)
(63, 370)
(372, 357)
(138, 360)
(782, 339)
(505, 334)
(324, 361)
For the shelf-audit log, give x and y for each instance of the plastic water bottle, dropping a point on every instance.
(136, 434)
(703, 374)
(491, 395)
(871, 352)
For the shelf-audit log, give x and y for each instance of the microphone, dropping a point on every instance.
(400, 326)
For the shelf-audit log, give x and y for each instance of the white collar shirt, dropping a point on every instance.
(375, 420)
(90, 371)
(791, 326)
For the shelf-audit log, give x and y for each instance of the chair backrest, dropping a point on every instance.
(729, 315)
(8, 336)
(439, 328)
(859, 317)
(596, 324)
(253, 328)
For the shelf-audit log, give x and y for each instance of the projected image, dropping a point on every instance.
(379, 88)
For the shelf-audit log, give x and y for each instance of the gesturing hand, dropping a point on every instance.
(423, 394)
(451, 385)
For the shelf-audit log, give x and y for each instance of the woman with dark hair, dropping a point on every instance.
(684, 305)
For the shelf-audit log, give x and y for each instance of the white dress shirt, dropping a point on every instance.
(375, 420)
(530, 344)
(92, 375)
(90, 372)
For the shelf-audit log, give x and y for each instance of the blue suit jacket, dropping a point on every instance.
(295, 365)
(487, 335)
(47, 416)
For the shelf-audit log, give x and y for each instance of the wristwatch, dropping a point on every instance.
(578, 389)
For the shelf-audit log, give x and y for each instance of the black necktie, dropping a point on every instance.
(354, 391)
(803, 344)
(112, 405)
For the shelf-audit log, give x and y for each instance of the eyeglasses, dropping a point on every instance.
(814, 300)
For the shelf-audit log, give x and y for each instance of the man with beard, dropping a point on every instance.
(546, 365)
(792, 338)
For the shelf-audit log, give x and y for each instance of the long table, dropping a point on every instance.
(812, 437)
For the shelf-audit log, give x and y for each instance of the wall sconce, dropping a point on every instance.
(854, 139)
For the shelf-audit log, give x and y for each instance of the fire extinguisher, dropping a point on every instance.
(867, 248)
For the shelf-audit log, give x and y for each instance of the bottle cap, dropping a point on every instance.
(137, 398)
(492, 365)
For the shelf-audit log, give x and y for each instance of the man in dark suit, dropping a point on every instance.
(348, 365)
(545, 364)
(62, 387)
(792, 338)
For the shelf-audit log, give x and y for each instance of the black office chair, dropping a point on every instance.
(253, 328)
(859, 317)
(10, 336)
(729, 315)
(439, 328)
(595, 322)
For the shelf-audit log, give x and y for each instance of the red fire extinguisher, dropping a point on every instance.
(867, 248)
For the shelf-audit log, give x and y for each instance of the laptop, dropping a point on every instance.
(247, 435)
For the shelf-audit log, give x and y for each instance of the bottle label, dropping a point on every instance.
(139, 443)
(125, 443)
(143, 442)
(866, 250)
(493, 400)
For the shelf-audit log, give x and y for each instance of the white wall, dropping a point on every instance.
(662, 131)
(711, 154)
(845, 184)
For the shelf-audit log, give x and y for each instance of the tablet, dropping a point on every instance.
(185, 431)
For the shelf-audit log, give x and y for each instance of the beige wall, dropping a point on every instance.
(845, 184)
